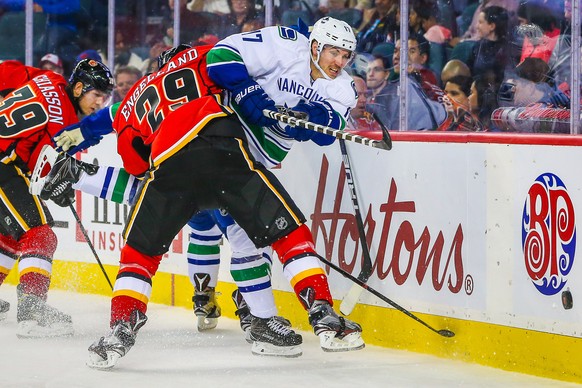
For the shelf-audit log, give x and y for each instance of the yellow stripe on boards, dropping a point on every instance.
(536, 353)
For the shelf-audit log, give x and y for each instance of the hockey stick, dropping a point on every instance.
(442, 332)
(385, 143)
(76, 215)
(351, 298)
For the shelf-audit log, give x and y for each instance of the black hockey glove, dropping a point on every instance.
(65, 198)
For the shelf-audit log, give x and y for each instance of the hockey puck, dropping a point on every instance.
(567, 301)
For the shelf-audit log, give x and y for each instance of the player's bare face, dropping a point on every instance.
(92, 101)
(333, 59)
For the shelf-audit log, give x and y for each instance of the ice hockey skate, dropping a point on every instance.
(243, 313)
(4, 307)
(336, 333)
(36, 319)
(55, 173)
(106, 351)
(274, 337)
(206, 307)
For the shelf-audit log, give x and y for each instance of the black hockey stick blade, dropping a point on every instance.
(442, 332)
(339, 134)
(386, 138)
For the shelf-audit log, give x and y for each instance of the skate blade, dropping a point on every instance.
(31, 329)
(329, 343)
(205, 323)
(95, 361)
(46, 160)
(270, 350)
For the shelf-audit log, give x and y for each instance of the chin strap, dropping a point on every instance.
(316, 62)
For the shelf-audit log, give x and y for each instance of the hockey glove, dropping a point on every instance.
(321, 113)
(252, 99)
(86, 133)
(65, 198)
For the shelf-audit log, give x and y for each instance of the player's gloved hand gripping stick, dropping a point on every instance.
(293, 118)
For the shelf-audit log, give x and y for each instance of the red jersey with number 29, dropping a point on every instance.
(154, 97)
(32, 114)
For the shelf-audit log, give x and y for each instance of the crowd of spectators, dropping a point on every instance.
(472, 64)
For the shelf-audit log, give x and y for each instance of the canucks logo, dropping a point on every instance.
(548, 234)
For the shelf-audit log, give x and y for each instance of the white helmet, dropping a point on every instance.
(333, 32)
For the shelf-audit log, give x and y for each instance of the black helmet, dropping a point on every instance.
(93, 75)
(167, 55)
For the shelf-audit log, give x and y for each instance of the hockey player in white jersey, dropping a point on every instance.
(277, 66)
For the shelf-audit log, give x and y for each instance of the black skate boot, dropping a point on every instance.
(4, 307)
(274, 337)
(243, 313)
(206, 307)
(336, 333)
(104, 353)
(64, 172)
(37, 319)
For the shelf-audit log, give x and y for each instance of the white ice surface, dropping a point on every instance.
(170, 352)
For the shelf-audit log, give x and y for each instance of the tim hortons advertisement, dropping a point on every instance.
(477, 231)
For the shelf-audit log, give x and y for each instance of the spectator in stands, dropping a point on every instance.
(359, 119)
(538, 28)
(562, 53)
(155, 50)
(452, 68)
(242, 12)
(52, 62)
(429, 108)
(529, 85)
(124, 55)
(483, 101)
(197, 18)
(340, 9)
(418, 56)
(491, 54)
(377, 75)
(88, 54)
(379, 25)
(458, 88)
(423, 21)
(125, 78)
(510, 6)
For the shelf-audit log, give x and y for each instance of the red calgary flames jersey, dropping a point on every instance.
(154, 97)
(14, 74)
(32, 114)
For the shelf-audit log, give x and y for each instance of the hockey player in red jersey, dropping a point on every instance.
(29, 117)
(201, 159)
